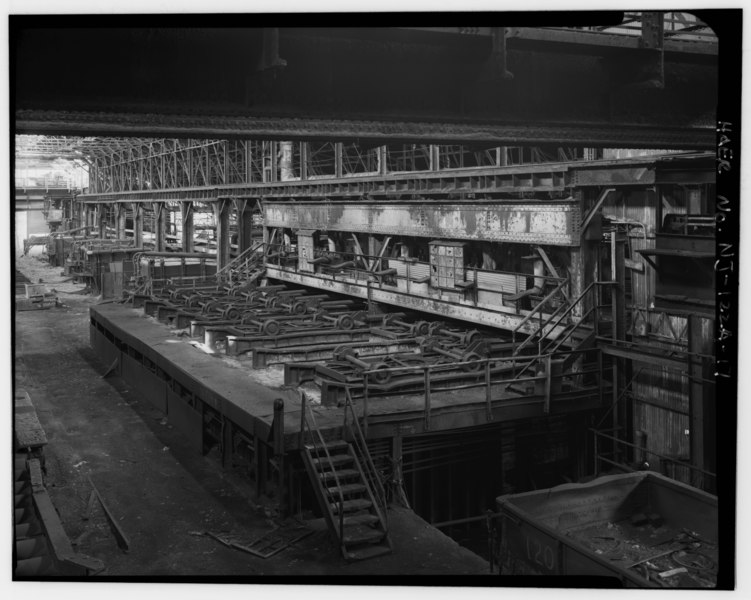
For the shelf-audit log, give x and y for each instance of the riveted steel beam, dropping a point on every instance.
(537, 222)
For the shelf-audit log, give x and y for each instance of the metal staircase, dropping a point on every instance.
(576, 335)
(347, 486)
(246, 266)
(32, 557)
(41, 546)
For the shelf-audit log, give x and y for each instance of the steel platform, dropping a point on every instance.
(188, 384)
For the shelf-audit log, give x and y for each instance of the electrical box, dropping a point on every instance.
(446, 264)
(307, 240)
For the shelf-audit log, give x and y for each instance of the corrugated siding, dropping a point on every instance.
(416, 271)
(661, 402)
(496, 282)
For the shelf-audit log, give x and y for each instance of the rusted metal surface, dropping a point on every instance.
(531, 222)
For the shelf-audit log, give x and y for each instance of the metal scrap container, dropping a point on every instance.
(641, 528)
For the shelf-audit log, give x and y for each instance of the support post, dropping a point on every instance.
(101, 211)
(186, 214)
(488, 394)
(304, 147)
(338, 149)
(120, 214)
(286, 169)
(278, 426)
(427, 398)
(160, 226)
(244, 226)
(621, 414)
(137, 225)
(434, 154)
(382, 160)
(221, 214)
(548, 382)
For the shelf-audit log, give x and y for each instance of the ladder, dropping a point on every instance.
(342, 476)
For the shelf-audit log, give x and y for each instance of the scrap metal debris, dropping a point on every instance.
(268, 544)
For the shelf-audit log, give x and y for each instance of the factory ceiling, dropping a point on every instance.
(615, 84)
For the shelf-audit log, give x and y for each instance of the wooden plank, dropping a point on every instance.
(122, 539)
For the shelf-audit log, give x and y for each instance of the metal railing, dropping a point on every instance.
(483, 370)
(246, 259)
(46, 182)
(538, 311)
(320, 452)
(699, 477)
(352, 426)
(677, 25)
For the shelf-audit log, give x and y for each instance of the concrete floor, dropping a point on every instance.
(163, 495)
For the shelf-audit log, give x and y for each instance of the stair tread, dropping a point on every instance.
(351, 505)
(331, 445)
(363, 519)
(337, 459)
(347, 488)
(368, 552)
(361, 534)
(340, 473)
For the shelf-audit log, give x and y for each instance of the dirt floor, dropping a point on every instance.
(164, 497)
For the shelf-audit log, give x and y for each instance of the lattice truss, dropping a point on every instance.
(136, 164)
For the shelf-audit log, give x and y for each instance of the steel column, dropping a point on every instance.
(101, 211)
(221, 214)
(244, 226)
(186, 213)
(120, 217)
(160, 226)
(137, 225)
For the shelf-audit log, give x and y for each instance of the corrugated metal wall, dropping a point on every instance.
(661, 395)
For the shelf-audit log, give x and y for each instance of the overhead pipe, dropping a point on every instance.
(68, 231)
(177, 254)
(538, 283)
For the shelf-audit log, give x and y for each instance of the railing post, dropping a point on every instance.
(427, 398)
(364, 406)
(303, 402)
(279, 451)
(595, 450)
(488, 399)
(599, 376)
(548, 381)
(540, 333)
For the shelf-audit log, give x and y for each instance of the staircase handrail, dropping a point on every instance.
(567, 312)
(314, 428)
(362, 447)
(538, 309)
(556, 343)
(239, 259)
